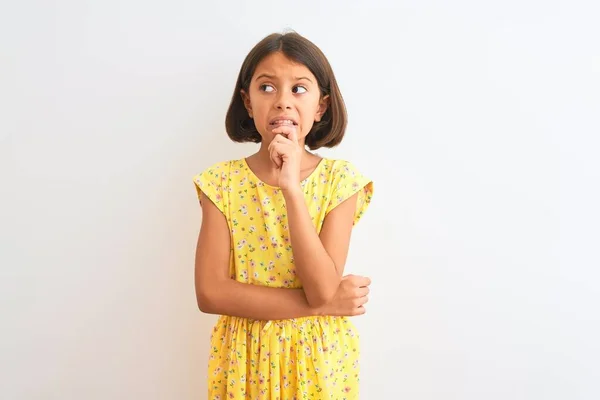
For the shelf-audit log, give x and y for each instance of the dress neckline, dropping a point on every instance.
(263, 183)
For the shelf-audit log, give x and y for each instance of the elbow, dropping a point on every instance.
(204, 304)
(207, 302)
(212, 294)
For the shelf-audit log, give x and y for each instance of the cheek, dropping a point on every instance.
(306, 123)
(258, 102)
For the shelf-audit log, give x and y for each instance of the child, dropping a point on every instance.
(275, 234)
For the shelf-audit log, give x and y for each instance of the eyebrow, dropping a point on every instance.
(302, 77)
(298, 78)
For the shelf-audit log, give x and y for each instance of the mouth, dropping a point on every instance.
(274, 123)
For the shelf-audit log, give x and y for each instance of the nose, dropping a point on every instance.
(284, 101)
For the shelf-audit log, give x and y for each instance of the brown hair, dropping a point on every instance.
(328, 132)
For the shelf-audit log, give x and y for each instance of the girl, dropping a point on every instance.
(275, 234)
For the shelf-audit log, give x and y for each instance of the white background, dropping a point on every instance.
(478, 121)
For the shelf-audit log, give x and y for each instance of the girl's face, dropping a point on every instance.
(283, 92)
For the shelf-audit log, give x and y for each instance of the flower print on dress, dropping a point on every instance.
(247, 359)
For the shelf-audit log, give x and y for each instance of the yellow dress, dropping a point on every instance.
(302, 358)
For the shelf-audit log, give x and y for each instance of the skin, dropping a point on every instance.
(279, 88)
(283, 88)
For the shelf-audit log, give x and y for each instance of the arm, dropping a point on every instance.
(217, 293)
(319, 259)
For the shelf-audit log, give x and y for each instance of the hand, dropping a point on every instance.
(286, 154)
(350, 298)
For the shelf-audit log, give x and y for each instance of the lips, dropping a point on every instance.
(282, 121)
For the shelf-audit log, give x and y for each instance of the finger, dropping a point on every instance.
(276, 161)
(272, 149)
(275, 156)
(293, 135)
(275, 140)
(362, 291)
(360, 280)
(360, 303)
(285, 130)
(283, 150)
(359, 310)
(279, 138)
(279, 148)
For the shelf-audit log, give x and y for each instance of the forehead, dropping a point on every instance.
(278, 65)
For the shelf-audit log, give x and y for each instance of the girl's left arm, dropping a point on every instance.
(319, 258)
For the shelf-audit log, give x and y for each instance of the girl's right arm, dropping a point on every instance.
(218, 293)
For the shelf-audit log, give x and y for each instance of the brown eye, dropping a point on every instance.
(264, 87)
(299, 89)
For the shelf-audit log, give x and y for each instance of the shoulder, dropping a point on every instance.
(216, 175)
(347, 180)
(342, 170)
(219, 171)
(217, 167)
(213, 181)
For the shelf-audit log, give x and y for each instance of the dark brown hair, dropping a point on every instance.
(328, 132)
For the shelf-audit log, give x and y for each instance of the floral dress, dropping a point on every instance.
(301, 358)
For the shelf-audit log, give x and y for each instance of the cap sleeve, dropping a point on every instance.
(347, 181)
(211, 183)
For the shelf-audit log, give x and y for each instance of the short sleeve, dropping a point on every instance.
(211, 183)
(347, 180)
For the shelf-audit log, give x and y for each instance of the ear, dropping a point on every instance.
(323, 104)
(246, 100)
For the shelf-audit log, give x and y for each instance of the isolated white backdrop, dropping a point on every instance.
(477, 121)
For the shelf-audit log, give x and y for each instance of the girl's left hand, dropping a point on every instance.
(286, 154)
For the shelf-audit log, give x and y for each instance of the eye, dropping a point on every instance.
(264, 87)
(299, 89)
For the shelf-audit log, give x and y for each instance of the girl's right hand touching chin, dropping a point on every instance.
(350, 298)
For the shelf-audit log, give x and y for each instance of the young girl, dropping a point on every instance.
(275, 234)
